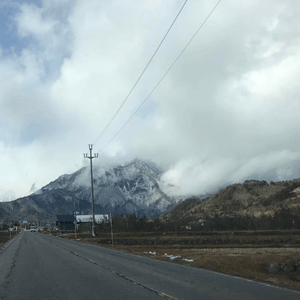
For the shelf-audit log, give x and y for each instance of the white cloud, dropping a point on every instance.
(30, 22)
(47, 26)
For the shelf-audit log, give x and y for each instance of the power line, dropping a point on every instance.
(163, 75)
(114, 116)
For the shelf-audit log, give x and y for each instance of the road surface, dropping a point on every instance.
(37, 266)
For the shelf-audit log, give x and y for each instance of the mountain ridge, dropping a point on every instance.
(135, 187)
(123, 189)
(252, 198)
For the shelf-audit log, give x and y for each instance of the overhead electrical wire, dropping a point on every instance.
(162, 78)
(116, 113)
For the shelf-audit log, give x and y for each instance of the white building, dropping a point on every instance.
(88, 218)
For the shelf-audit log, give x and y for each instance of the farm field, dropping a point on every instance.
(5, 236)
(269, 256)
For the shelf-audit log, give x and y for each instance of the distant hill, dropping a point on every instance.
(135, 188)
(180, 209)
(253, 198)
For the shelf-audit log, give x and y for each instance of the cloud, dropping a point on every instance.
(229, 110)
(47, 27)
(226, 112)
(33, 188)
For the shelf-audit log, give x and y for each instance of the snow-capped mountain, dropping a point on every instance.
(134, 186)
(130, 188)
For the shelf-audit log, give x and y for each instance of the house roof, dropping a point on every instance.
(65, 218)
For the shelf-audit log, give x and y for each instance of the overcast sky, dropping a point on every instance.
(227, 111)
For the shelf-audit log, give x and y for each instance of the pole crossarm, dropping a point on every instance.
(91, 156)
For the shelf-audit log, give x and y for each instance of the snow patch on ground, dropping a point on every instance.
(172, 257)
(152, 253)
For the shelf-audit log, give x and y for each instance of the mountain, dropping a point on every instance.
(126, 189)
(135, 188)
(253, 198)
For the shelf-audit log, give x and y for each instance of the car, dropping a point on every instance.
(32, 229)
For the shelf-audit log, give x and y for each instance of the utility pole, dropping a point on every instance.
(111, 231)
(75, 221)
(91, 158)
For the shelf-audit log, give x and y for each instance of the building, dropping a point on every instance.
(89, 218)
(65, 222)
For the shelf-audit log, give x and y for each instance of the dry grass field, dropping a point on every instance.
(4, 237)
(243, 253)
(246, 262)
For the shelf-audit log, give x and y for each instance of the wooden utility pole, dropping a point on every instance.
(91, 158)
(75, 221)
(111, 231)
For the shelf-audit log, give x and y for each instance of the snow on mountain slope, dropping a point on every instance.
(130, 188)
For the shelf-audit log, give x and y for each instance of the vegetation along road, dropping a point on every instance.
(39, 266)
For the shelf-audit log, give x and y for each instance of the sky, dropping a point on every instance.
(226, 112)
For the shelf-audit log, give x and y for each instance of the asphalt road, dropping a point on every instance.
(37, 266)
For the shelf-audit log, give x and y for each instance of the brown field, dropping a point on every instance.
(240, 253)
(4, 237)
(244, 262)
